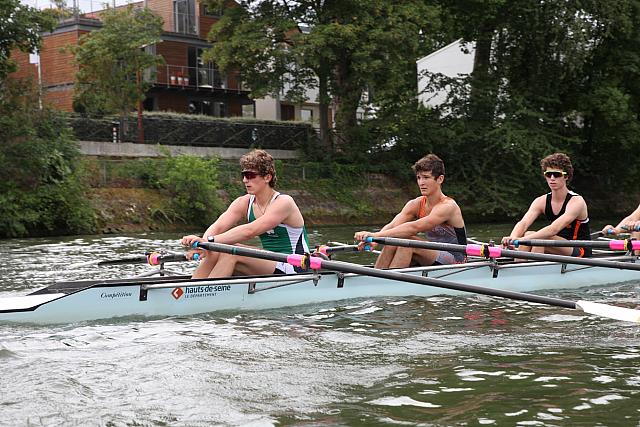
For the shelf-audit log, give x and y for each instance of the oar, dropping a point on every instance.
(612, 231)
(328, 250)
(496, 252)
(154, 258)
(616, 245)
(316, 263)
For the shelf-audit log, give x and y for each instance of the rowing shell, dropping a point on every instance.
(67, 302)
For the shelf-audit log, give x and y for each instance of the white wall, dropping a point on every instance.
(452, 61)
(267, 108)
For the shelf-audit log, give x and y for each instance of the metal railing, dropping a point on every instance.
(199, 132)
(177, 76)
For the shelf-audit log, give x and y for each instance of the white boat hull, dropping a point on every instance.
(181, 297)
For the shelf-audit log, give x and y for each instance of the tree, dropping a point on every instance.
(20, 28)
(42, 187)
(340, 47)
(111, 59)
(548, 76)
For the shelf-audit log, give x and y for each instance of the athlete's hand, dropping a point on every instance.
(360, 236)
(190, 239)
(190, 254)
(370, 246)
(507, 242)
(609, 229)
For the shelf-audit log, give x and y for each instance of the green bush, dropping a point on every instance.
(193, 184)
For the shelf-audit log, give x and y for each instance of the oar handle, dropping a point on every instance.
(327, 250)
(153, 258)
(157, 258)
(611, 231)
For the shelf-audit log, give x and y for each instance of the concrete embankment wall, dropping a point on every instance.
(128, 149)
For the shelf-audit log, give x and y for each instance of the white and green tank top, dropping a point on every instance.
(283, 238)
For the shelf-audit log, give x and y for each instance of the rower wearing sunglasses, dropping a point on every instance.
(273, 217)
(565, 210)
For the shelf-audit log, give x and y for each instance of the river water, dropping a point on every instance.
(399, 362)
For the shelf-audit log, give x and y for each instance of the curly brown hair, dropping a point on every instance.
(429, 163)
(559, 161)
(261, 162)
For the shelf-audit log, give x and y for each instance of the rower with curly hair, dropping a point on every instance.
(565, 211)
(271, 216)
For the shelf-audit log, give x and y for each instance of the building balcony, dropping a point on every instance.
(196, 78)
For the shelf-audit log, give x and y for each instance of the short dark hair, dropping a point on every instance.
(429, 163)
(560, 161)
(261, 162)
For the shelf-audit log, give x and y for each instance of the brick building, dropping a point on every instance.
(185, 84)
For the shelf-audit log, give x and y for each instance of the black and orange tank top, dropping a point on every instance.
(577, 230)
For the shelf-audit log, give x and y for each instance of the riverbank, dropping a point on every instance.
(129, 210)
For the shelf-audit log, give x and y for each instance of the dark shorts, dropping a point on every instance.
(581, 252)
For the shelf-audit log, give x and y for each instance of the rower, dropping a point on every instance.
(273, 217)
(565, 210)
(631, 223)
(432, 213)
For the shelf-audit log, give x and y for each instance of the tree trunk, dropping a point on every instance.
(323, 101)
(346, 100)
(483, 91)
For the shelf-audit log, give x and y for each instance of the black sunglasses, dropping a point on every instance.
(249, 174)
(555, 174)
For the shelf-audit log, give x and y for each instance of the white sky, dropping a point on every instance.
(83, 5)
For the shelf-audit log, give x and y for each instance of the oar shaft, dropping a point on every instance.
(333, 249)
(317, 263)
(342, 248)
(153, 259)
(495, 252)
(618, 245)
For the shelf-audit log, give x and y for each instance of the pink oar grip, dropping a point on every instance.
(478, 250)
(296, 260)
(315, 263)
(617, 245)
(323, 249)
(152, 259)
(495, 252)
(474, 250)
(621, 245)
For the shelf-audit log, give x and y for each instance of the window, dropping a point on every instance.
(212, 12)
(204, 74)
(208, 108)
(306, 115)
(184, 16)
(149, 104)
(287, 112)
(248, 110)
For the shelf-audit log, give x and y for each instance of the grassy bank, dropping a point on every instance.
(126, 196)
